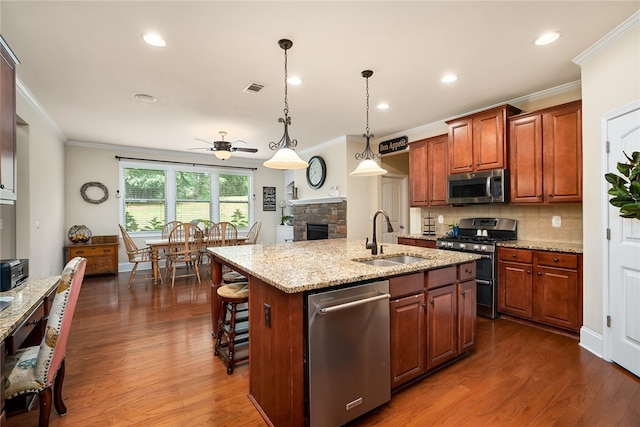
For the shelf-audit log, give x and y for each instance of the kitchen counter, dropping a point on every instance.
(575, 248)
(280, 275)
(25, 298)
(418, 236)
(317, 264)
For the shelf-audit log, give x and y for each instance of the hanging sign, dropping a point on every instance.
(268, 198)
(393, 145)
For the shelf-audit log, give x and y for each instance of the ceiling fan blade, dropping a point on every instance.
(208, 142)
(202, 148)
(246, 150)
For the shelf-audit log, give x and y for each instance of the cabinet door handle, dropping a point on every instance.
(468, 270)
(431, 301)
(462, 292)
(423, 305)
(556, 260)
(513, 255)
(528, 271)
(539, 196)
(539, 273)
(549, 195)
(79, 252)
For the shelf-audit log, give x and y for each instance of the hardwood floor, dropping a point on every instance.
(144, 356)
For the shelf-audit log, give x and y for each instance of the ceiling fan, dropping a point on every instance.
(223, 149)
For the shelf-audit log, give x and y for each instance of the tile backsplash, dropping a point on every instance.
(534, 222)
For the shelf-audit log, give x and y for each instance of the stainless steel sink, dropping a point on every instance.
(392, 261)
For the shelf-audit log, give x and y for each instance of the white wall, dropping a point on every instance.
(40, 208)
(609, 81)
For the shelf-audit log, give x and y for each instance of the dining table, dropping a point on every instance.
(158, 244)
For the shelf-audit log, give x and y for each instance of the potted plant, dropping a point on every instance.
(285, 219)
(625, 188)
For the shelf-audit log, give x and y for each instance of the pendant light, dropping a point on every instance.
(285, 157)
(368, 166)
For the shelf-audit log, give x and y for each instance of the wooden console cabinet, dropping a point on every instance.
(541, 286)
(101, 257)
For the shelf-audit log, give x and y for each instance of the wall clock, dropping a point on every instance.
(316, 172)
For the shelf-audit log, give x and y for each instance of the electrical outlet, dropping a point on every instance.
(440, 219)
(556, 221)
(267, 315)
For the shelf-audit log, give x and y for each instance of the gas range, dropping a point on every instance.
(480, 236)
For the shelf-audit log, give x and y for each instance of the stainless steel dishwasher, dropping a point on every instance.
(348, 367)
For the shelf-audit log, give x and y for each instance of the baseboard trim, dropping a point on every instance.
(591, 341)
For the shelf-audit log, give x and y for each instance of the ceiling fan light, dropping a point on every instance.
(285, 158)
(222, 154)
(368, 167)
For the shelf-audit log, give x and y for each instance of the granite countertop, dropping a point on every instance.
(418, 236)
(309, 265)
(26, 297)
(543, 246)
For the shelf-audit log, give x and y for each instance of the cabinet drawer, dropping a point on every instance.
(86, 251)
(467, 271)
(557, 259)
(440, 277)
(406, 285)
(15, 340)
(516, 255)
(405, 241)
(102, 264)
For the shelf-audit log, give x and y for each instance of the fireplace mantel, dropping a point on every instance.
(298, 202)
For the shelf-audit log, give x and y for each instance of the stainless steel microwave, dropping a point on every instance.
(490, 186)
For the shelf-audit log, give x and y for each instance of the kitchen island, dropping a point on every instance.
(280, 277)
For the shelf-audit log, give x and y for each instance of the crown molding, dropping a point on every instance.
(626, 26)
(33, 102)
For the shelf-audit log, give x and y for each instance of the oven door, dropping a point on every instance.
(486, 289)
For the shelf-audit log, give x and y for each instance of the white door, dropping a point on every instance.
(394, 203)
(623, 134)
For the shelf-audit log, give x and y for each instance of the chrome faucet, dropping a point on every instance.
(374, 244)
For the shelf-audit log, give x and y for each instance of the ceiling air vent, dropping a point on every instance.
(253, 87)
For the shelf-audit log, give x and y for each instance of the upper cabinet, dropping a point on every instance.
(8, 63)
(428, 171)
(546, 155)
(479, 141)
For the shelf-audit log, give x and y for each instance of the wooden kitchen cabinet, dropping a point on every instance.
(479, 141)
(407, 328)
(546, 155)
(428, 171)
(423, 243)
(8, 62)
(467, 313)
(541, 286)
(101, 257)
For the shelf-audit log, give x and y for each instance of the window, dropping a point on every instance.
(154, 195)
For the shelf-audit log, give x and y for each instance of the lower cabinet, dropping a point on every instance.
(433, 319)
(541, 286)
(417, 242)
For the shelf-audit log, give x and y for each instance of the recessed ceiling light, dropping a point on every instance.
(448, 78)
(547, 38)
(154, 39)
(294, 80)
(383, 106)
(142, 97)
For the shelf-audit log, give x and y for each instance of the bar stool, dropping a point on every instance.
(233, 324)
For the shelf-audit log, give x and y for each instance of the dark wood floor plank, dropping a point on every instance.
(144, 357)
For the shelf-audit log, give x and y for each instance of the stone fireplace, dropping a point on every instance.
(330, 211)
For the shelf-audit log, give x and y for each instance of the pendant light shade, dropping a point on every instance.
(285, 157)
(368, 165)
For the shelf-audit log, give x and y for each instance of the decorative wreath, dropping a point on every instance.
(83, 192)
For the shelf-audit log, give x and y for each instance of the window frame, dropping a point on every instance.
(171, 191)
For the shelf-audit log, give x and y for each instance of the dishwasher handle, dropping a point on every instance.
(355, 303)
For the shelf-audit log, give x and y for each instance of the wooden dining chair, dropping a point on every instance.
(185, 244)
(40, 369)
(228, 234)
(252, 236)
(136, 255)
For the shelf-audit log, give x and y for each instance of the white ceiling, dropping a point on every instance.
(84, 60)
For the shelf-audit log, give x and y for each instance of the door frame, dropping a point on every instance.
(607, 335)
(404, 183)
